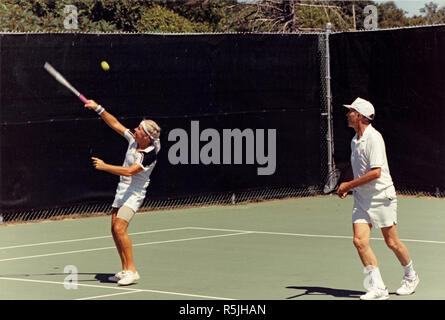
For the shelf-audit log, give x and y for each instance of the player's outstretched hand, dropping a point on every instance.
(98, 163)
(92, 105)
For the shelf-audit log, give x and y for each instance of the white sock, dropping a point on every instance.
(376, 277)
(409, 270)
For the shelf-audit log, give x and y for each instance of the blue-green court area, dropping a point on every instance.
(296, 249)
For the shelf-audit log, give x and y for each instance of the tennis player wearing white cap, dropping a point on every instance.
(140, 159)
(375, 203)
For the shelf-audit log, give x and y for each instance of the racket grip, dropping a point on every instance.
(81, 97)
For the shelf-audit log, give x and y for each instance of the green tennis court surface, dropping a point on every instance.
(295, 249)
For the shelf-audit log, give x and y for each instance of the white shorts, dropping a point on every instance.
(129, 197)
(380, 210)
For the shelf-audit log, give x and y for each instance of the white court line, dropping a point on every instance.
(119, 288)
(309, 235)
(86, 239)
(113, 247)
(108, 295)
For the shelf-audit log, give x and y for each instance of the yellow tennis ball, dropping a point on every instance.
(105, 66)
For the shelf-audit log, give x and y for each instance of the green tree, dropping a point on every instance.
(213, 13)
(47, 16)
(124, 14)
(18, 16)
(162, 20)
(390, 16)
(205, 15)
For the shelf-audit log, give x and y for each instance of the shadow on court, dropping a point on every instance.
(338, 293)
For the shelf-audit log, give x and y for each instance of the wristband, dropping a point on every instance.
(99, 109)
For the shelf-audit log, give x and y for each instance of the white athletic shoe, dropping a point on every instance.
(128, 278)
(375, 294)
(117, 276)
(408, 286)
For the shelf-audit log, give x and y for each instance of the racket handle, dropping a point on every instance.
(81, 97)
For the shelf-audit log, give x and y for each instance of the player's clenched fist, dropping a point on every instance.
(92, 105)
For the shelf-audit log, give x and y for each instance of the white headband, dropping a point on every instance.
(146, 130)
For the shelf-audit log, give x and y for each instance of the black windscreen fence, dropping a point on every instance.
(402, 72)
(237, 112)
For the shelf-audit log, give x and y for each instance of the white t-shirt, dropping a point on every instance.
(131, 190)
(145, 158)
(366, 153)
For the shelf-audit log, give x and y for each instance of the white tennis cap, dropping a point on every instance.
(363, 107)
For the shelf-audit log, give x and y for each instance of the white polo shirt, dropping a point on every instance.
(131, 191)
(366, 153)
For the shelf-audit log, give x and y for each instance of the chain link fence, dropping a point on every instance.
(199, 200)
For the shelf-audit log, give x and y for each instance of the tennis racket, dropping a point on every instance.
(332, 181)
(61, 79)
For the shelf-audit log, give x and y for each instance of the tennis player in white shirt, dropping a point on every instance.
(140, 159)
(375, 202)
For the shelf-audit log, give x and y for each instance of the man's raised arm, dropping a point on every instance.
(109, 119)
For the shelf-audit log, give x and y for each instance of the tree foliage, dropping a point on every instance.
(209, 12)
(163, 20)
(196, 16)
(291, 16)
(47, 16)
(434, 15)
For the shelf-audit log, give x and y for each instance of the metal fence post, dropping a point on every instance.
(330, 133)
